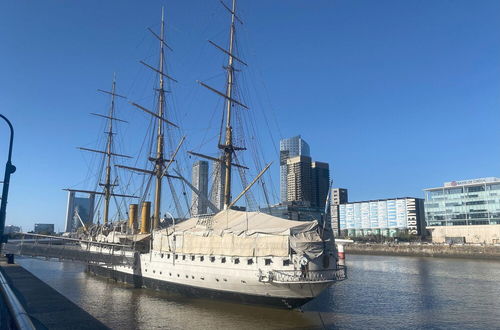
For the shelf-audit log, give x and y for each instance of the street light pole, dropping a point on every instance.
(9, 169)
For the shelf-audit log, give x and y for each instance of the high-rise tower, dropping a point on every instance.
(291, 147)
(320, 177)
(299, 183)
(218, 184)
(199, 180)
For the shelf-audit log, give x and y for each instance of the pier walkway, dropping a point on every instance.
(47, 308)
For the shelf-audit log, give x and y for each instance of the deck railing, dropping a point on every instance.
(336, 274)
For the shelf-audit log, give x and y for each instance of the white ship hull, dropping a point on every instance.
(218, 277)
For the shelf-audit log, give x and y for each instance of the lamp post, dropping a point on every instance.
(9, 169)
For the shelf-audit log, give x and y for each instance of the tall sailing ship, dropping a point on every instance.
(244, 256)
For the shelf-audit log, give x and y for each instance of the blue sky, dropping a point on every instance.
(396, 96)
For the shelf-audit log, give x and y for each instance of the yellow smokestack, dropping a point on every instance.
(145, 215)
(132, 217)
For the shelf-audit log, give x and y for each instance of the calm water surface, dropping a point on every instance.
(381, 293)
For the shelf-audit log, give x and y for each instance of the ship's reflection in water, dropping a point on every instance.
(381, 292)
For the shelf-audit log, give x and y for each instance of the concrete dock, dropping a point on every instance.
(47, 308)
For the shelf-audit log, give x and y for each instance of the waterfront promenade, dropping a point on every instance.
(47, 308)
(426, 250)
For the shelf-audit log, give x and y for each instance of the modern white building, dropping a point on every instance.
(466, 210)
(386, 217)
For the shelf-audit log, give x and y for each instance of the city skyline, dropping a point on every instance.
(399, 97)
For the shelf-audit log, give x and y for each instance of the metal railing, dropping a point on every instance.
(37, 245)
(16, 312)
(290, 276)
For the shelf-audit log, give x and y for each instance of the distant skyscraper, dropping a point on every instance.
(339, 196)
(218, 184)
(299, 179)
(85, 208)
(199, 180)
(320, 177)
(291, 147)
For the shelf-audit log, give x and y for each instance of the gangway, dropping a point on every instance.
(38, 245)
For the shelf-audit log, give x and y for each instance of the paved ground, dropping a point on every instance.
(47, 308)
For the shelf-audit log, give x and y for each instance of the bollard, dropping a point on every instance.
(340, 251)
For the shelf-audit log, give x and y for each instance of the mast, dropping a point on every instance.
(107, 185)
(108, 154)
(159, 161)
(228, 147)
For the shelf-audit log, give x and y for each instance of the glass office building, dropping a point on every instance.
(386, 217)
(468, 202)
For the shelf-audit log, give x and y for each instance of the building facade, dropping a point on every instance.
(320, 177)
(386, 217)
(299, 179)
(218, 184)
(295, 211)
(44, 228)
(10, 229)
(339, 196)
(468, 209)
(78, 208)
(199, 180)
(291, 147)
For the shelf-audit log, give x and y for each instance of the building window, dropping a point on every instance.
(250, 262)
(237, 261)
(212, 259)
(475, 188)
(192, 258)
(268, 262)
(202, 258)
(286, 262)
(223, 260)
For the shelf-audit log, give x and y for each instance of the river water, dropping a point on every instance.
(382, 292)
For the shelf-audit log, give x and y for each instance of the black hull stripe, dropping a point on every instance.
(195, 292)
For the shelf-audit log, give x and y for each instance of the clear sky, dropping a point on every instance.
(396, 96)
